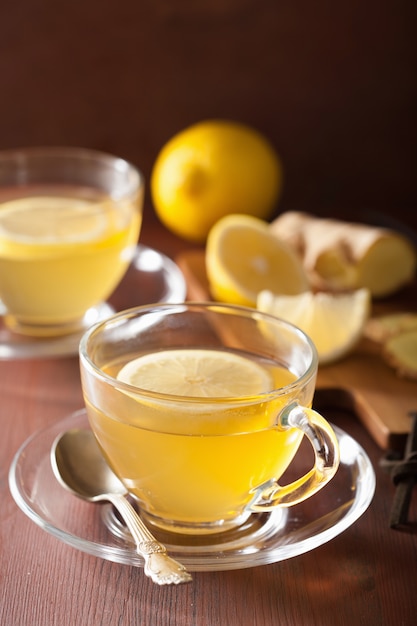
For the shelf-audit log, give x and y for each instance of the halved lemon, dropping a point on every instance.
(243, 257)
(334, 322)
(196, 373)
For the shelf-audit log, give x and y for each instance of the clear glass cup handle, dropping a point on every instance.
(326, 452)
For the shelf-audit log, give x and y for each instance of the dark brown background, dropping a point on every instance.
(332, 84)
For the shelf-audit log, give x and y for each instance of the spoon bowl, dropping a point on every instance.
(80, 467)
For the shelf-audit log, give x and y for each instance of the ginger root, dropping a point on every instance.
(380, 329)
(400, 351)
(340, 256)
(395, 335)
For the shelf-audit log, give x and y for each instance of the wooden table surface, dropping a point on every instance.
(366, 575)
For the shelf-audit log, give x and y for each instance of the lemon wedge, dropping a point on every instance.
(243, 257)
(334, 322)
(196, 373)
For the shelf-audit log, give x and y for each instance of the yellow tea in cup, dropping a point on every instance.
(65, 244)
(200, 408)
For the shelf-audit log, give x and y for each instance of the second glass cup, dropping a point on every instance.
(70, 219)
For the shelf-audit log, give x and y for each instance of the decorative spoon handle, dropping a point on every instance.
(159, 566)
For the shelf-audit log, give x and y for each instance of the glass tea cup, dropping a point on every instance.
(70, 219)
(199, 408)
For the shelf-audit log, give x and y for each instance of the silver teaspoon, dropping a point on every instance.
(80, 467)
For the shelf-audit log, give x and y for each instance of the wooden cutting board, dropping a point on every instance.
(361, 382)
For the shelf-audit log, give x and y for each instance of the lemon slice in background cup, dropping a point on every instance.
(37, 220)
(243, 257)
(212, 169)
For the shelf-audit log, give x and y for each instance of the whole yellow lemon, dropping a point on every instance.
(212, 169)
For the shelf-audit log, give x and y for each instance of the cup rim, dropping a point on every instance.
(23, 153)
(87, 362)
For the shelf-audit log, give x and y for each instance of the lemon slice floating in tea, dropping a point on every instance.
(197, 373)
(50, 220)
(334, 322)
(243, 257)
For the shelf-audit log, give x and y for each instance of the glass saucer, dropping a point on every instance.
(264, 538)
(151, 277)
